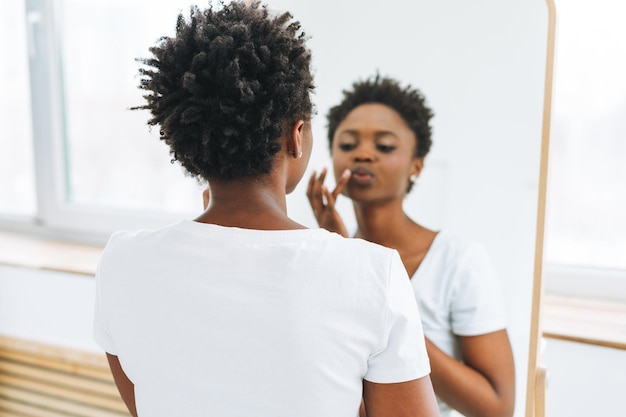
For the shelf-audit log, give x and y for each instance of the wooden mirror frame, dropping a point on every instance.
(536, 379)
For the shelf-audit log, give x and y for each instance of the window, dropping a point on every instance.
(81, 163)
(586, 233)
(17, 196)
(112, 158)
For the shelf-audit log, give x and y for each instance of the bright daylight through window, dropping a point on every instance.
(586, 222)
(17, 175)
(113, 159)
(587, 194)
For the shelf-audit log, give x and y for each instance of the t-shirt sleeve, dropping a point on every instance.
(403, 357)
(477, 301)
(100, 331)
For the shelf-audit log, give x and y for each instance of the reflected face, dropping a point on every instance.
(378, 147)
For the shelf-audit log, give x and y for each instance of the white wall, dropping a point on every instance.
(48, 307)
(584, 380)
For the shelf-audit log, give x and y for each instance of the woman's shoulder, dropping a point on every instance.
(359, 256)
(452, 243)
(361, 247)
(130, 235)
(454, 250)
(126, 240)
(367, 245)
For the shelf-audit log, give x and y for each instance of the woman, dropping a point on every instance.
(379, 135)
(243, 311)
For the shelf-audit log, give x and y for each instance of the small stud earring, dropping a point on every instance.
(413, 178)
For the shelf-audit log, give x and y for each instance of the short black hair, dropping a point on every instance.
(222, 87)
(407, 101)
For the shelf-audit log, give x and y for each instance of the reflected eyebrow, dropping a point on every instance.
(382, 133)
(350, 132)
(377, 134)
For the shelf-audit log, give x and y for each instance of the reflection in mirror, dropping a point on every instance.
(481, 67)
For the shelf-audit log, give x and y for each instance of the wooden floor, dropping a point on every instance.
(42, 381)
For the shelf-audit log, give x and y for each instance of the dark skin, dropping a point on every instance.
(377, 148)
(206, 197)
(261, 204)
(124, 384)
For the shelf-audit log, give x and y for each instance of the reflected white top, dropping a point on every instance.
(457, 293)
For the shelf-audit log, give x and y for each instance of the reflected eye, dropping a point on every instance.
(346, 146)
(385, 148)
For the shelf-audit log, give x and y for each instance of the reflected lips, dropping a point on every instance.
(361, 175)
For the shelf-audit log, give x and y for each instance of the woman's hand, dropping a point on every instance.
(323, 202)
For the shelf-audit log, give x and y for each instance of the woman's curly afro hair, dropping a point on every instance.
(222, 87)
(408, 102)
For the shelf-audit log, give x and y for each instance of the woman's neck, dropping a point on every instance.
(252, 204)
(385, 224)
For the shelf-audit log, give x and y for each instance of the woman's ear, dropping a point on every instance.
(206, 197)
(416, 167)
(295, 139)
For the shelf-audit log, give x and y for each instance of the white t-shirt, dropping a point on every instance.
(458, 294)
(218, 321)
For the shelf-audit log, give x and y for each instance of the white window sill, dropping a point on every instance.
(584, 320)
(33, 252)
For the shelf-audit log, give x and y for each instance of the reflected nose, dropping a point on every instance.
(363, 154)
(363, 158)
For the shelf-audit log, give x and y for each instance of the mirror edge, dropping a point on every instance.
(536, 376)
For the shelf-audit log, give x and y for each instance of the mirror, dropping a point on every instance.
(482, 67)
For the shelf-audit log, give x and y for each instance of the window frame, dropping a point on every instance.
(55, 216)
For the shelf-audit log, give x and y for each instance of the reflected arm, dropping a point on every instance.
(484, 384)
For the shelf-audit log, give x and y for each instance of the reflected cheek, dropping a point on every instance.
(339, 165)
(392, 178)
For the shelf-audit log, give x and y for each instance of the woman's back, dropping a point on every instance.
(212, 320)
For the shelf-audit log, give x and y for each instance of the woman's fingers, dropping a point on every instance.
(322, 176)
(330, 198)
(323, 201)
(343, 181)
(320, 198)
(309, 189)
(315, 193)
(332, 220)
